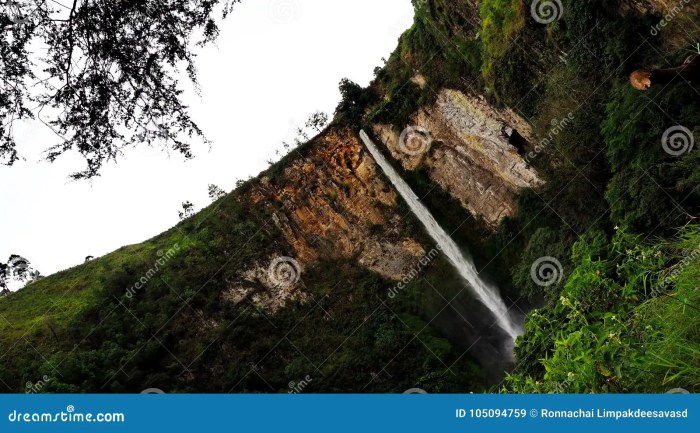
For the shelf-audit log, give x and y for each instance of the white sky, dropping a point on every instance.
(275, 62)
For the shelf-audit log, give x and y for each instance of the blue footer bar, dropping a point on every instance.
(349, 413)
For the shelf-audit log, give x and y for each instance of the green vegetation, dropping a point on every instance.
(605, 167)
(93, 329)
(651, 190)
(501, 23)
(623, 318)
(607, 327)
(626, 321)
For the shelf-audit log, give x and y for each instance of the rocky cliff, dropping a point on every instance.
(471, 151)
(332, 204)
(335, 203)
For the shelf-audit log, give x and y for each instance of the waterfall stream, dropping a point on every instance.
(484, 292)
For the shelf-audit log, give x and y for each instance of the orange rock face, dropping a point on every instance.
(334, 204)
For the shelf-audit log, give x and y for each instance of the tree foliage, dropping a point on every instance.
(16, 268)
(108, 77)
(187, 210)
(215, 192)
(317, 121)
(354, 101)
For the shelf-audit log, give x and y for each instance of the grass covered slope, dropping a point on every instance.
(56, 300)
(157, 315)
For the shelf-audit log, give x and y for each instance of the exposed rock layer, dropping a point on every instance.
(334, 203)
(469, 148)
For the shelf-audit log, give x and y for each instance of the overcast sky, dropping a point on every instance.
(275, 62)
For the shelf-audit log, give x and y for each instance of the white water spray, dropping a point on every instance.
(486, 294)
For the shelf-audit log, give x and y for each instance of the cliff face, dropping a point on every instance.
(331, 204)
(335, 203)
(469, 149)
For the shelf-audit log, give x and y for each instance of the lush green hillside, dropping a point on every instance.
(617, 211)
(92, 329)
(627, 320)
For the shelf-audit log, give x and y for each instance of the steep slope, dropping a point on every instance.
(525, 141)
(283, 280)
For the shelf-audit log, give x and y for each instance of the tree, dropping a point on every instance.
(16, 268)
(354, 101)
(351, 95)
(187, 210)
(215, 192)
(107, 80)
(317, 121)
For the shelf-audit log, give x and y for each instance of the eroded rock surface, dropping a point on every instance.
(333, 203)
(472, 153)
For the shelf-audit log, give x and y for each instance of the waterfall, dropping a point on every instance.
(484, 292)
